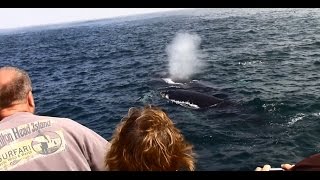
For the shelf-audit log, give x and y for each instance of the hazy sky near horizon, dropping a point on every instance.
(24, 17)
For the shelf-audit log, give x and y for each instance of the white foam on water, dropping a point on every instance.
(298, 117)
(170, 81)
(316, 114)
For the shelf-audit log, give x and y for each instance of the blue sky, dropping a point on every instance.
(24, 17)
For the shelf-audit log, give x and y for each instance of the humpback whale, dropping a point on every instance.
(191, 99)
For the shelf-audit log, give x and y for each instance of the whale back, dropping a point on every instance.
(192, 97)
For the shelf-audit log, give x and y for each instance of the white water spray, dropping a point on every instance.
(185, 57)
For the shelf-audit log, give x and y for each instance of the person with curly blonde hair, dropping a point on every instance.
(147, 140)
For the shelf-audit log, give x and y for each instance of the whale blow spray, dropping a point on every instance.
(184, 56)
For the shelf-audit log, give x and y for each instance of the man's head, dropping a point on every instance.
(147, 140)
(15, 90)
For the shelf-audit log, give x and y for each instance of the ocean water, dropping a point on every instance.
(265, 61)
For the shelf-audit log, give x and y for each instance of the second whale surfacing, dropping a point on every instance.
(192, 99)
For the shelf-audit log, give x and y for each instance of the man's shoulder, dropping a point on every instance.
(68, 124)
(59, 120)
(53, 118)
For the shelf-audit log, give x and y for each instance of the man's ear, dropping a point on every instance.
(30, 101)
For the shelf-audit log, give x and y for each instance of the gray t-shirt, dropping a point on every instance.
(31, 143)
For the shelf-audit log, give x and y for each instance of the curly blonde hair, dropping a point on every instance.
(147, 140)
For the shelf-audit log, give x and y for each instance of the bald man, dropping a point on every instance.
(29, 142)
